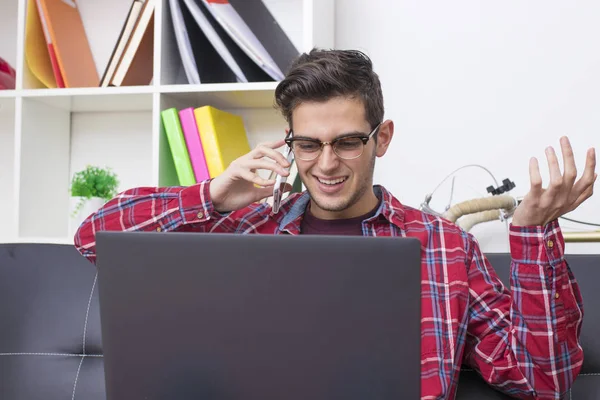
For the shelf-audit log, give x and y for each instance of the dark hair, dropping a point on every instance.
(323, 74)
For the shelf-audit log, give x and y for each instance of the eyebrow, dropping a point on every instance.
(343, 135)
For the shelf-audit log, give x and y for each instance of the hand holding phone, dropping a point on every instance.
(280, 181)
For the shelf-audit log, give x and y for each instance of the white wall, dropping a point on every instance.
(491, 83)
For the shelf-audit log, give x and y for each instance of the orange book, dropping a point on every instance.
(68, 43)
(34, 11)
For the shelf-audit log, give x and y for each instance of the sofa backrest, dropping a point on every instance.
(50, 337)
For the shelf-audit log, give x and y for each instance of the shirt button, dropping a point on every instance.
(158, 229)
(550, 243)
(200, 215)
(557, 295)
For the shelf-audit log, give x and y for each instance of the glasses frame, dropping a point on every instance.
(289, 140)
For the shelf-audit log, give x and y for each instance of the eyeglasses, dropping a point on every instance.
(347, 147)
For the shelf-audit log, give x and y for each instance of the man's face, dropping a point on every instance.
(339, 188)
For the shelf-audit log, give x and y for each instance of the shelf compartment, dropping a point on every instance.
(102, 22)
(56, 142)
(289, 14)
(262, 124)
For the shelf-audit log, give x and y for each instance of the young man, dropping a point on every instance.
(525, 343)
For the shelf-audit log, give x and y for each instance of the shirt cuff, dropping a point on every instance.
(196, 205)
(537, 244)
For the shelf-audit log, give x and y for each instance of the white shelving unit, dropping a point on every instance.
(46, 135)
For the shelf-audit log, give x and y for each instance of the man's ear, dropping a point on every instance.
(384, 137)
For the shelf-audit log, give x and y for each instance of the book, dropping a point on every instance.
(218, 57)
(37, 49)
(184, 43)
(268, 32)
(68, 42)
(178, 147)
(250, 24)
(194, 144)
(223, 137)
(124, 36)
(137, 62)
(218, 48)
(58, 80)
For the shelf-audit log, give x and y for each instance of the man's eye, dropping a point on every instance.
(349, 144)
(306, 146)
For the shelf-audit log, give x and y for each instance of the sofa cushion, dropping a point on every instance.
(50, 341)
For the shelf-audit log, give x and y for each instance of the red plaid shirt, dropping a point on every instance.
(525, 341)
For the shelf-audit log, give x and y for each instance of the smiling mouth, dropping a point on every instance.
(332, 182)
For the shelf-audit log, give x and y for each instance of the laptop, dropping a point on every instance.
(259, 317)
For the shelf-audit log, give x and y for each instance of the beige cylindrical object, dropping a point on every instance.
(477, 205)
(582, 237)
(471, 220)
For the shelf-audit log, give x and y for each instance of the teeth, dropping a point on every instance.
(332, 182)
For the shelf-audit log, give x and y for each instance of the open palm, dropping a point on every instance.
(541, 206)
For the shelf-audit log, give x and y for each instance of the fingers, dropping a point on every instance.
(556, 180)
(268, 150)
(275, 144)
(270, 145)
(275, 155)
(588, 177)
(535, 177)
(570, 170)
(263, 193)
(246, 171)
(255, 164)
(590, 164)
(256, 179)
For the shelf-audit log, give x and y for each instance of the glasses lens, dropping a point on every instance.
(349, 148)
(306, 149)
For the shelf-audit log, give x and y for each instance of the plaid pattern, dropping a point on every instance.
(523, 340)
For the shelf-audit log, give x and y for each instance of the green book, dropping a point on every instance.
(179, 151)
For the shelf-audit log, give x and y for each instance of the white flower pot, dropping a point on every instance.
(89, 206)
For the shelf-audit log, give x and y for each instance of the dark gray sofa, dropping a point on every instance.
(50, 340)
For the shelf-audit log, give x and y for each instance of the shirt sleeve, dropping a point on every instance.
(164, 209)
(525, 341)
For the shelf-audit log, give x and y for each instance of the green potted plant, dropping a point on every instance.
(90, 189)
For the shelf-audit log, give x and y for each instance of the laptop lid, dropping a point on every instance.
(229, 316)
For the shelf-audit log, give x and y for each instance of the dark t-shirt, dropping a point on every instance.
(312, 225)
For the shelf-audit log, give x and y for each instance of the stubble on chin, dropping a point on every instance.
(339, 204)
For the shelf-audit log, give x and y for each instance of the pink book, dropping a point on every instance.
(193, 143)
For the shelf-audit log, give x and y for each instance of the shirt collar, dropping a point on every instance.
(294, 207)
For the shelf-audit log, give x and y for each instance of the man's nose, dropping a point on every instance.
(328, 160)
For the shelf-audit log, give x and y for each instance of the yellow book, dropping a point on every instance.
(223, 137)
(36, 50)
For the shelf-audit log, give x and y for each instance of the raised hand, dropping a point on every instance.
(240, 185)
(541, 206)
